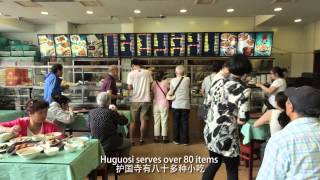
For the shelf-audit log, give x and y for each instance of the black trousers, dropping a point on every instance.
(232, 164)
(181, 125)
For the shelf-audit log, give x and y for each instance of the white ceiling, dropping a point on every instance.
(122, 10)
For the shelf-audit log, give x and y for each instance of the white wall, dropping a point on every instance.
(97, 28)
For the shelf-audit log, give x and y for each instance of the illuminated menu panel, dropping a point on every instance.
(228, 44)
(210, 44)
(194, 44)
(62, 44)
(263, 45)
(111, 45)
(160, 44)
(246, 43)
(144, 44)
(95, 45)
(46, 45)
(177, 44)
(78, 45)
(127, 45)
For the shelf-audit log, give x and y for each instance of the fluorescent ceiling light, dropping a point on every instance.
(297, 20)
(183, 10)
(44, 13)
(137, 11)
(89, 12)
(277, 9)
(230, 10)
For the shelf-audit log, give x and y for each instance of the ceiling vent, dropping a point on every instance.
(204, 2)
(27, 4)
(283, 1)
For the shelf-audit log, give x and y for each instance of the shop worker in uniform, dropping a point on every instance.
(139, 81)
(52, 83)
(294, 152)
(110, 84)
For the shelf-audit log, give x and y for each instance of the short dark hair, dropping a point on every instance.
(35, 105)
(281, 100)
(136, 62)
(239, 65)
(159, 75)
(216, 66)
(280, 71)
(61, 99)
(56, 67)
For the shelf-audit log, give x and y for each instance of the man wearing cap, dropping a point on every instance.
(294, 152)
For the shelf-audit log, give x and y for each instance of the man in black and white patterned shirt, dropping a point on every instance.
(229, 104)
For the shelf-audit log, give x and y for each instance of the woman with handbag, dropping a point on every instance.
(160, 89)
(179, 93)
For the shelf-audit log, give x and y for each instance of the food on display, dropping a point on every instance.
(62, 43)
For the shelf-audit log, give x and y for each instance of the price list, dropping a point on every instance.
(144, 45)
(161, 44)
(127, 45)
(177, 44)
(111, 45)
(194, 44)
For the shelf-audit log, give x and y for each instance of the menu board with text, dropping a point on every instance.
(194, 44)
(78, 45)
(160, 44)
(46, 45)
(62, 44)
(263, 44)
(210, 44)
(111, 45)
(127, 45)
(228, 44)
(144, 44)
(95, 45)
(177, 44)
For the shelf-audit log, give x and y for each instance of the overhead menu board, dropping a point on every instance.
(78, 45)
(143, 44)
(177, 44)
(95, 45)
(62, 44)
(228, 44)
(210, 44)
(111, 45)
(46, 45)
(194, 44)
(127, 45)
(160, 44)
(263, 44)
(246, 43)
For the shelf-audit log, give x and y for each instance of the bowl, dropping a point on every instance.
(29, 152)
(38, 137)
(53, 135)
(77, 140)
(70, 147)
(52, 151)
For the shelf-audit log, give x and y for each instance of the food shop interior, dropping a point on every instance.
(159, 89)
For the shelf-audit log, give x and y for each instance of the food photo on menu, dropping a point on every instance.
(46, 44)
(62, 44)
(95, 45)
(78, 45)
(228, 44)
(263, 45)
(246, 43)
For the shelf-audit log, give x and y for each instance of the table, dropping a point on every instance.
(80, 123)
(67, 166)
(249, 132)
(9, 115)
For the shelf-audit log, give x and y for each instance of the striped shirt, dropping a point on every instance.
(294, 152)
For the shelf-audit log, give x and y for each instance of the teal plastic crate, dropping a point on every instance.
(3, 41)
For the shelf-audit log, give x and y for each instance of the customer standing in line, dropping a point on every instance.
(160, 107)
(278, 85)
(228, 107)
(110, 84)
(52, 83)
(139, 81)
(180, 106)
(293, 152)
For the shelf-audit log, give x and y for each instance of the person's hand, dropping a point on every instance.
(70, 109)
(113, 107)
(259, 85)
(15, 129)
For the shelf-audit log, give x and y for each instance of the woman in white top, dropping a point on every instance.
(278, 85)
(277, 118)
(59, 111)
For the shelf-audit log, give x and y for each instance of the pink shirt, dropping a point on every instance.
(158, 97)
(47, 127)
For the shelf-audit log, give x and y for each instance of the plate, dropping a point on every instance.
(20, 139)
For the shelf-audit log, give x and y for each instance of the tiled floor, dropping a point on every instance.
(171, 150)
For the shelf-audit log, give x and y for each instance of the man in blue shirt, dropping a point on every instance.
(52, 83)
(294, 152)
